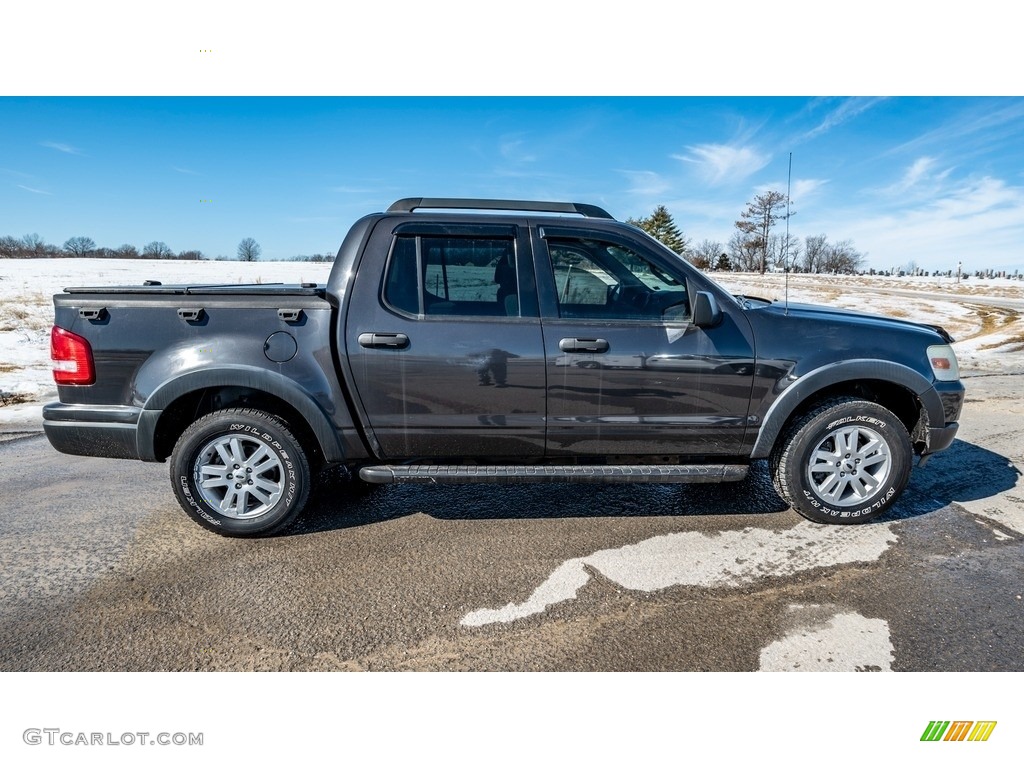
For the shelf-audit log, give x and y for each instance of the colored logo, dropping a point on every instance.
(958, 730)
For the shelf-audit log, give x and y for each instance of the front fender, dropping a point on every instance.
(805, 387)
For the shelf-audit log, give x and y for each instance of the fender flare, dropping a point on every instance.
(809, 384)
(253, 378)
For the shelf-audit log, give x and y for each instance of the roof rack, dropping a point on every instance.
(410, 204)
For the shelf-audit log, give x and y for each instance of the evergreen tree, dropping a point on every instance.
(723, 264)
(661, 226)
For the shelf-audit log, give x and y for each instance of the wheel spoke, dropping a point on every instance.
(828, 487)
(266, 485)
(846, 440)
(822, 461)
(859, 487)
(223, 453)
(257, 492)
(872, 460)
(227, 504)
(237, 454)
(872, 446)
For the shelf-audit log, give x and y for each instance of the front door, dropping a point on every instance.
(628, 373)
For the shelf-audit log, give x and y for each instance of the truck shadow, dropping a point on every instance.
(964, 472)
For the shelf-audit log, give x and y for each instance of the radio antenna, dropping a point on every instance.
(785, 245)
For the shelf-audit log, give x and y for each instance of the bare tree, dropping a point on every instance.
(248, 250)
(744, 253)
(190, 255)
(157, 250)
(127, 251)
(80, 246)
(842, 258)
(757, 221)
(815, 252)
(779, 255)
(10, 247)
(34, 246)
(705, 254)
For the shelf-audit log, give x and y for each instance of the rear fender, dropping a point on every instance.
(246, 377)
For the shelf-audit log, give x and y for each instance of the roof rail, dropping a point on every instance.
(410, 204)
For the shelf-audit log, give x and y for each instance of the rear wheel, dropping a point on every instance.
(240, 472)
(844, 462)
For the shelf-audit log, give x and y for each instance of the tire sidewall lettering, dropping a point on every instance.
(850, 419)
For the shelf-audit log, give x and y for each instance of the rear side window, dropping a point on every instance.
(457, 276)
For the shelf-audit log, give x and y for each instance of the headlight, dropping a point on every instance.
(943, 362)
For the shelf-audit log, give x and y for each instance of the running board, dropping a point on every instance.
(535, 473)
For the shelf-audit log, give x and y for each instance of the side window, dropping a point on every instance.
(606, 281)
(459, 276)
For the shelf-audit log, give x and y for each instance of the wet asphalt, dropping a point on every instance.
(102, 571)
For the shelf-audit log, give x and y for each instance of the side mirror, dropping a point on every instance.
(706, 312)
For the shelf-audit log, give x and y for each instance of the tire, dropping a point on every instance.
(240, 472)
(844, 462)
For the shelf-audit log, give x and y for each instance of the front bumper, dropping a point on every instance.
(89, 430)
(940, 438)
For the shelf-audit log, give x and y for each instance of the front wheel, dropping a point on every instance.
(240, 472)
(844, 462)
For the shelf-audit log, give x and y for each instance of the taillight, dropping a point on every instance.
(72, 358)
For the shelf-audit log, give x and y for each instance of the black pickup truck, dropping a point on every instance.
(495, 341)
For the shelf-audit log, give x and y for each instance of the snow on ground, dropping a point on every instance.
(989, 339)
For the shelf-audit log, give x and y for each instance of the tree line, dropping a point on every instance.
(756, 246)
(34, 247)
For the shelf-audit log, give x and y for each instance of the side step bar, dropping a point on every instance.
(533, 473)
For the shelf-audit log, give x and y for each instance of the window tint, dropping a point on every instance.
(601, 280)
(452, 276)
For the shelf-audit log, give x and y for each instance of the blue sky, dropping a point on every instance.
(931, 180)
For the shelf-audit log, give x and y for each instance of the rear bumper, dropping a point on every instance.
(88, 430)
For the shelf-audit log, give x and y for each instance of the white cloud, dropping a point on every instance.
(187, 171)
(61, 147)
(980, 222)
(805, 188)
(721, 163)
(919, 171)
(33, 189)
(847, 110)
(646, 182)
(514, 150)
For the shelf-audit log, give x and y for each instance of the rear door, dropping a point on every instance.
(628, 372)
(444, 341)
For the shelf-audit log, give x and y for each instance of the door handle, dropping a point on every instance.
(383, 340)
(583, 345)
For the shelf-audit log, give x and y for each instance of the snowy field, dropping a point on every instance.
(990, 339)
